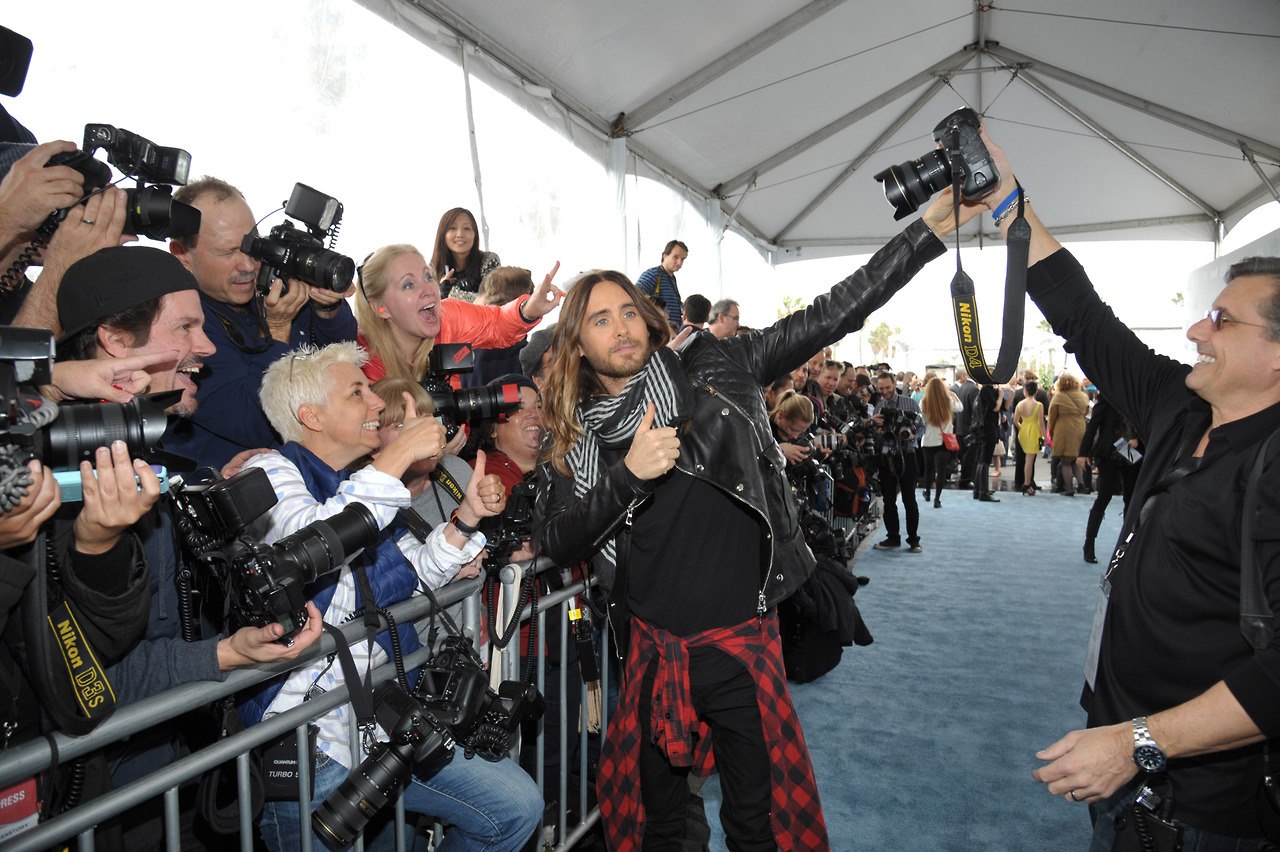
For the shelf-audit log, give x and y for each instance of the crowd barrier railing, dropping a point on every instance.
(36, 756)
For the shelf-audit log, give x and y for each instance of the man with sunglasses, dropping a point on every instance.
(250, 330)
(1172, 687)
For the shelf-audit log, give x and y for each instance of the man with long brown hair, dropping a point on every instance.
(662, 469)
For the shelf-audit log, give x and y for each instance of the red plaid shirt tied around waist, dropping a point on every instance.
(796, 815)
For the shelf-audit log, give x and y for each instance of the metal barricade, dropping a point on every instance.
(30, 758)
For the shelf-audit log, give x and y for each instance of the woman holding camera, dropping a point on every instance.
(401, 314)
(457, 260)
(321, 404)
(939, 407)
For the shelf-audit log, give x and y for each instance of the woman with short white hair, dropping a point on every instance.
(320, 402)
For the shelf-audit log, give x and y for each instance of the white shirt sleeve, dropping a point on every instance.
(435, 560)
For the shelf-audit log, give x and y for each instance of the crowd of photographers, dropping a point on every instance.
(243, 430)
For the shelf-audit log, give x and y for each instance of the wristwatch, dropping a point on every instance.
(1149, 756)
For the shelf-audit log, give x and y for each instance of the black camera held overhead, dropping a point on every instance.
(265, 583)
(61, 436)
(468, 405)
(150, 211)
(289, 252)
(963, 161)
(914, 182)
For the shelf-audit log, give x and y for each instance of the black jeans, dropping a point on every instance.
(742, 759)
(936, 460)
(898, 473)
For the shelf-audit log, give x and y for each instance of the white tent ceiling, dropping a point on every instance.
(1124, 118)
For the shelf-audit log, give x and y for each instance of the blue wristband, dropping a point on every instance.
(1004, 205)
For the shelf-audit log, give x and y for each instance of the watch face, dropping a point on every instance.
(1149, 758)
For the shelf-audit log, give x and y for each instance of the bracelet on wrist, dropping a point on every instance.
(520, 311)
(1004, 214)
(1004, 206)
(463, 527)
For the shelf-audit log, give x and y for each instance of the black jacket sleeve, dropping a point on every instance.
(788, 343)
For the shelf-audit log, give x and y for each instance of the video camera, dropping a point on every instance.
(963, 153)
(74, 431)
(150, 210)
(288, 252)
(468, 405)
(265, 583)
(451, 702)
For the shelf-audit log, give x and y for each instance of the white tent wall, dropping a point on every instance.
(668, 209)
(1144, 119)
(1205, 283)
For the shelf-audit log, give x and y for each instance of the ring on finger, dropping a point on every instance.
(87, 221)
(1072, 794)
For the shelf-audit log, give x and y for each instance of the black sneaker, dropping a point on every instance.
(915, 548)
(888, 544)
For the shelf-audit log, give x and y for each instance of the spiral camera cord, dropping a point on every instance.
(13, 276)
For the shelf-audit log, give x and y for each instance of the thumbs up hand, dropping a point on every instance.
(653, 451)
(484, 496)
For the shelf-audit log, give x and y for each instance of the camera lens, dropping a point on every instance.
(486, 403)
(322, 546)
(342, 816)
(152, 212)
(323, 268)
(80, 429)
(912, 183)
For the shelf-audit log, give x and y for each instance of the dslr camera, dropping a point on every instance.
(61, 436)
(504, 533)
(896, 423)
(910, 184)
(265, 584)
(150, 210)
(468, 405)
(289, 252)
(452, 702)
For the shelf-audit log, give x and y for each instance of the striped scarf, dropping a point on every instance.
(611, 421)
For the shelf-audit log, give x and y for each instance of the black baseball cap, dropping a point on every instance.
(116, 279)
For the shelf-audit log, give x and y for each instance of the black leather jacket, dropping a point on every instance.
(727, 440)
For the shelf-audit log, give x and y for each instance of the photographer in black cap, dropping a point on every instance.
(137, 300)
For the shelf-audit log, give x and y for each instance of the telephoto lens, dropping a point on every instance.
(83, 427)
(418, 742)
(322, 546)
(367, 790)
(323, 268)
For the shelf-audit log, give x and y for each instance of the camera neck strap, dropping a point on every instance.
(964, 302)
(360, 690)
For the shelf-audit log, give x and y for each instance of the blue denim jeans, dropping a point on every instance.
(1193, 839)
(487, 806)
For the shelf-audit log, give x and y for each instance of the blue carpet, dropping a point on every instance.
(926, 739)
